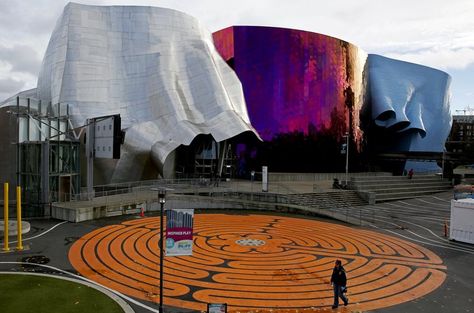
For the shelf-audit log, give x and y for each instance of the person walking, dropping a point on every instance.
(339, 281)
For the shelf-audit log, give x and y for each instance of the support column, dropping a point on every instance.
(221, 157)
(45, 177)
(19, 245)
(90, 134)
(5, 217)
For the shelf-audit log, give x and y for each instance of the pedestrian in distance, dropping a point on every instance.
(339, 282)
(216, 181)
(410, 173)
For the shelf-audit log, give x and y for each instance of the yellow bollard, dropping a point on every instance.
(5, 217)
(19, 245)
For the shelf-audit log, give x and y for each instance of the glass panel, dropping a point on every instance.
(53, 129)
(62, 128)
(23, 102)
(75, 158)
(50, 109)
(34, 131)
(53, 188)
(53, 154)
(34, 106)
(30, 158)
(64, 109)
(23, 129)
(63, 159)
(44, 129)
(44, 108)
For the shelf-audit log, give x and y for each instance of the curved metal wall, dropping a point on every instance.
(156, 67)
(299, 86)
(409, 106)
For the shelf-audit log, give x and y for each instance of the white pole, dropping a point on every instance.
(347, 155)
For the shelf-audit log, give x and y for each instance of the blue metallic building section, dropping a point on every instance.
(409, 106)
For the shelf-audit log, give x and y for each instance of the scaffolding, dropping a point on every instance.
(47, 161)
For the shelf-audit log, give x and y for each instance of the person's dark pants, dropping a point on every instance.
(338, 294)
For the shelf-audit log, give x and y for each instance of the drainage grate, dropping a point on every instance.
(37, 259)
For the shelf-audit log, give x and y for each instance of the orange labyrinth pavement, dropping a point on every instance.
(256, 262)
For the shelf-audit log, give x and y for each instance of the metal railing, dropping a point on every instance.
(132, 191)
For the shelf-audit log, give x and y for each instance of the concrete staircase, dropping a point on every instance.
(388, 188)
(327, 200)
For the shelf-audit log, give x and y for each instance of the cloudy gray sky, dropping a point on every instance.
(435, 33)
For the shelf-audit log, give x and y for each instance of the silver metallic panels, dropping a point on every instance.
(157, 68)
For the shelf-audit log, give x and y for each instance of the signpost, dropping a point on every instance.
(179, 232)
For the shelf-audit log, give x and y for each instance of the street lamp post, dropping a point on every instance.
(161, 200)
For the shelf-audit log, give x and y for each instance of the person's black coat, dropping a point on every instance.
(338, 276)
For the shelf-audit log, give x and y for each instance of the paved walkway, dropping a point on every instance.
(397, 261)
(254, 262)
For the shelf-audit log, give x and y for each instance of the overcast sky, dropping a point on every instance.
(435, 33)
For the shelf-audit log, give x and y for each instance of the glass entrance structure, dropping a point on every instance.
(44, 150)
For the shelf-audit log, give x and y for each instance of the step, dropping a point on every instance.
(404, 184)
(398, 181)
(328, 200)
(420, 176)
(403, 195)
(391, 189)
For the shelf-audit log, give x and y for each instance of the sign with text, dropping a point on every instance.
(179, 232)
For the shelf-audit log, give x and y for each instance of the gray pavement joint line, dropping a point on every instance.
(441, 245)
(423, 227)
(39, 235)
(423, 242)
(441, 199)
(89, 281)
(398, 210)
(434, 206)
(428, 239)
(368, 213)
(124, 305)
(432, 203)
(418, 207)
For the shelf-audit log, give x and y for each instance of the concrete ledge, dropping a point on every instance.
(86, 213)
(12, 227)
(368, 196)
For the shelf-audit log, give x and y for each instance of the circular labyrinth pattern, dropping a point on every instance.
(288, 269)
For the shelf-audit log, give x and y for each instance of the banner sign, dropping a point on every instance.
(179, 232)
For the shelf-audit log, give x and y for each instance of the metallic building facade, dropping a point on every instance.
(157, 68)
(409, 105)
(174, 83)
(304, 91)
(296, 81)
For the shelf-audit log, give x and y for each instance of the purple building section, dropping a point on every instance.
(295, 81)
(298, 85)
